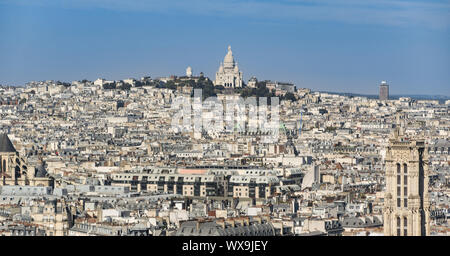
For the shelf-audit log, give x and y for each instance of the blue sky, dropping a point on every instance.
(334, 45)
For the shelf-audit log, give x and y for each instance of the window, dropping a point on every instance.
(398, 202)
(405, 226)
(405, 184)
(398, 191)
(398, 168)
(398, 180)
(398, 226)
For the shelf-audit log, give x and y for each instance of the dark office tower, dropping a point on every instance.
(384, 91)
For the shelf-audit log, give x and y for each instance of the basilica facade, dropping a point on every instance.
(228, 74)
(14, 170)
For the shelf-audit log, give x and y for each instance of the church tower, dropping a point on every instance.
(406, 200)
(8, 156)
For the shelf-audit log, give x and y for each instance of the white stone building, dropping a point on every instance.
(406, 201)
(228, 74)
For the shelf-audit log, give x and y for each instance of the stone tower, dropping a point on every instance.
(406, 200)
(14, 170)
(229, 75)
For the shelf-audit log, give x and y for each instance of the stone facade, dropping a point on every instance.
(384, 91)
(406, 200)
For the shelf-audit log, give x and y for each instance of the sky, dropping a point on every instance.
(326, 45)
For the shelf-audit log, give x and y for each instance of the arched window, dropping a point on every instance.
(398, 169)
(405, 185)
(18, 172)
(405, 174)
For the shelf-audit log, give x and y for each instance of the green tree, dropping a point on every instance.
(290, 96)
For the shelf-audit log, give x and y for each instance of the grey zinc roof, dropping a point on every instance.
(5, 144)
(40, 171)
(189, 228)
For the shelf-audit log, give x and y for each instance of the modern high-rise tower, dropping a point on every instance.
(406, 200)
(384, 91)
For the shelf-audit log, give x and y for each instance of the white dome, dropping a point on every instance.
(228, 61)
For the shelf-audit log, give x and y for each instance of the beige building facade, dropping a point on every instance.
(52, 216)
(406, 200)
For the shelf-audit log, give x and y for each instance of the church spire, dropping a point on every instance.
(6, 144)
